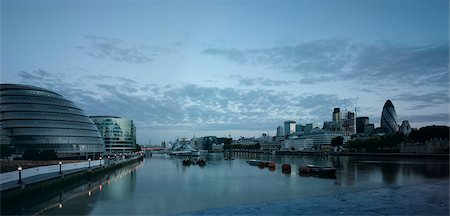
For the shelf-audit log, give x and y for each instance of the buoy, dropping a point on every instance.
(272, 165)
(286, 167)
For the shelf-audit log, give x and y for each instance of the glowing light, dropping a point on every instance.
(60, 205)
(101, 187)
(90, 193)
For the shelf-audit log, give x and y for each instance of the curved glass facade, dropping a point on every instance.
(388, 118)
(119, 134)
(36, 118)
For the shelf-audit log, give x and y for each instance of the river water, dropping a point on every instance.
(162, 185)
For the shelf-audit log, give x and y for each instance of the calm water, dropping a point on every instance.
(162, 185)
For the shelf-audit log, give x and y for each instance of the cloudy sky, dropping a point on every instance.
(181, 68)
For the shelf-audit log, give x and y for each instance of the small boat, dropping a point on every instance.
(201, 161)
(253, 162)
(317, 170)
(286, 167)
(187, 161)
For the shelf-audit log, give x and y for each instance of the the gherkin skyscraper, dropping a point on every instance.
(389, 118)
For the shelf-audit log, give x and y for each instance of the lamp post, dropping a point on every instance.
(100, 161)
(89, 163)
(60, 164)
(20, 175)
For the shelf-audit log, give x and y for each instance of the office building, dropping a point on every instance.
(289, 127)
(37, 118)
(337, 117)
(119, 134)
(280, 131)
(308, 127)
(360, 123)
(389, 118)
(348, 124)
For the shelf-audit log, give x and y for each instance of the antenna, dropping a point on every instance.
(356, 104)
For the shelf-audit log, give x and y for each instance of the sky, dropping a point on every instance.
(239, 68)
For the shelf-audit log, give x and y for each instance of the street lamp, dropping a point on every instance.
(100, 161)
(60, 164)
(89, 163)
(20, 175)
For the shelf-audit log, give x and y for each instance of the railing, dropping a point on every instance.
(14, 175)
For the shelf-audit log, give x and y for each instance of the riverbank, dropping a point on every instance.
(417, 155)
(431, 198)
(12, 190)
(8, 166)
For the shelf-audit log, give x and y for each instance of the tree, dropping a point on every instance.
(138, 147)
(5, 151)
(337, 141)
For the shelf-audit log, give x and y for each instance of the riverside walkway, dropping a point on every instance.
(10, 180)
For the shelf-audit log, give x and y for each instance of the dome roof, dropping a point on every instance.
(37, 118)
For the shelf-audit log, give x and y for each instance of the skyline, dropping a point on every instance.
(213, 68)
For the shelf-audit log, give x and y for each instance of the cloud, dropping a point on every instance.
(422, 120)
(188, 106)
(259, 81)
(424, 100)
(120, 51)
(379, 64)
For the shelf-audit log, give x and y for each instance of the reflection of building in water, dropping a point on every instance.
(81, 200)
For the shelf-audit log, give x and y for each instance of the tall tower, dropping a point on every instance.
(337, 117)
(280, 131)
(360, 123)
(389, 118)
(289, 127)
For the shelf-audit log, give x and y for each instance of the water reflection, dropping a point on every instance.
(81, 200)
(162, 185)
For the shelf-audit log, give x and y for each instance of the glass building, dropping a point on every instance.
(36, 118)
(119, 134)
(389, 118)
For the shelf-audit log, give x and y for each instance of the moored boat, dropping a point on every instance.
(253, 162)
(317, 170)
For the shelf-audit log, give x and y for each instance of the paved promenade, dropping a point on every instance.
(9, 180)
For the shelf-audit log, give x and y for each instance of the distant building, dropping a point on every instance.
(308, 127)
(119, 134)
(369, 129)
(361, 122)
(289, 127)
(315, 139)
(299, 128)
(206, 143)
(337, 117)
(405, 128)
(37, 118)
(280, 131)
(389, 118)
(349, 123)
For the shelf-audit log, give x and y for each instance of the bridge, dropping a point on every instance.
(154, 150)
